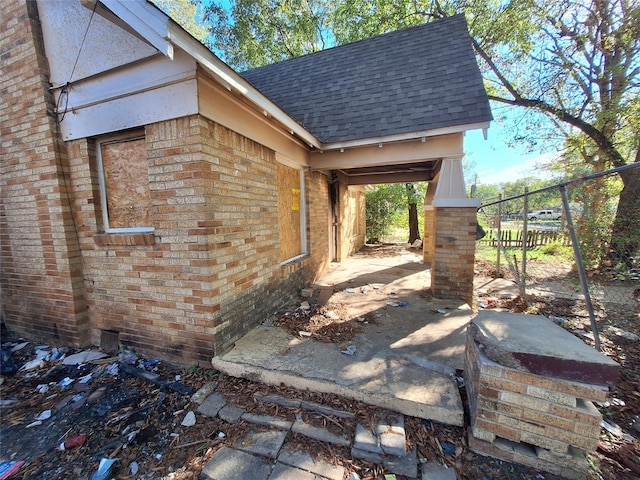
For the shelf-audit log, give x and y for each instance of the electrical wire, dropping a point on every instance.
(64, 91)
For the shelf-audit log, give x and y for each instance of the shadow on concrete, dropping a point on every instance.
(405, 360)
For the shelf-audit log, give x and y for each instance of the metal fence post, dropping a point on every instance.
(499, 242)
(580, 265)
(525, 241)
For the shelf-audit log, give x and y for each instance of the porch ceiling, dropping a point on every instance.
(401, 173)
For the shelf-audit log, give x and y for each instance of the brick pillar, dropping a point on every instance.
(450, 233)
(429, 240)
(455, 243)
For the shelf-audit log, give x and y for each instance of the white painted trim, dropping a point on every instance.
(303, 213)
(146, 19)
(404, 136)
(233, 81)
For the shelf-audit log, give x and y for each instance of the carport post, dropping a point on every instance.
(451, 243)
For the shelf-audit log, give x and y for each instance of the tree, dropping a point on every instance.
(581, 69)
(571, 66)
(187, 13)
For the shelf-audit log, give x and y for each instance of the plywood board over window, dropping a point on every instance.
(289, 212)
(125, 184)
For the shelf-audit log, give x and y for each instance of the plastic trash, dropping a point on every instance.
(34, 424)
(189, 420)
(133, 468)
(8, 468)
(65, 382)
(304, 334)
(32, 365)
(42, 388)
(45, 415)
(127, 356)
(19, 346)
(104, 469)
(86, 379)
(350, 290)
(351, 350)
(74, 442)
(83, 357)
(448, 448)
(150, 363)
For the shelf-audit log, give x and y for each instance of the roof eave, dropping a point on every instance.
(424, 134)
(163, 33)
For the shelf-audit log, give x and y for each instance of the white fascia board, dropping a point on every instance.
(233, 81)
(150, 22)
(405, 136)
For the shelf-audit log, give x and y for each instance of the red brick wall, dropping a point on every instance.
(40, 273)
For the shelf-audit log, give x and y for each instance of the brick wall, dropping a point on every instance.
(429, 237)
(40, 275)
(546, 423)
(211, 270)
(208, 273)
(454, 252)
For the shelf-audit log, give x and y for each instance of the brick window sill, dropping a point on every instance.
(124, 239)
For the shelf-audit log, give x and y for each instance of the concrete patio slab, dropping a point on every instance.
(405, 360)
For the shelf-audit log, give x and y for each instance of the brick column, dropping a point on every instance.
(450, 233)
(454, 253)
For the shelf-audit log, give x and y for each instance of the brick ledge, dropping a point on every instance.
(124, 239)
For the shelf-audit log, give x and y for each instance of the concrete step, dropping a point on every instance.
(393, 383)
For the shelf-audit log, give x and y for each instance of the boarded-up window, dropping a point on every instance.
(289, 212)
(124, 181)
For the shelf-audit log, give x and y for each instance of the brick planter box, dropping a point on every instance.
(539, 420)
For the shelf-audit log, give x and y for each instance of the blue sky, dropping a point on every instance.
(494, 161)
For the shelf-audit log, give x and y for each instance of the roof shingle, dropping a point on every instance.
(412, 80)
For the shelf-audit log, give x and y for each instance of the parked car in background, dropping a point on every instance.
(544, 215)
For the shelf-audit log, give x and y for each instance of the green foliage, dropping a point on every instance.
(387, 207)
(188, 14)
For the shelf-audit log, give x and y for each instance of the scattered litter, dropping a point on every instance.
(85, 379)
(32, 365)
(42, 388)
(74, 442)
(398, 304)
(508, 295)
(350, 290)
(189, 419)
(354, 476)
(304, 334)
(158, 456)
(221, 435)
(83, 357)
(7, 365)
(448, 448)
(616, 431)
(441, 310)
(150, 363)
(133, 468)
(332, 315)
(558, 320)
(178, 378)
(8, 402)
(104, 469)
(19, 347)
(390, 476)
(9, 468)
(65, 382)
(128, 357)
(351, 350)
(304, 306)
(45, 415)
(113, 369)
(34, 424)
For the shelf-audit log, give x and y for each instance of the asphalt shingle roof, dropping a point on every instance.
(417, 79)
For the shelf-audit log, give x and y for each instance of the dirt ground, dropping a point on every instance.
(134, 412)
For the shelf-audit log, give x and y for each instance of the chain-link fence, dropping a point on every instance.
(558, 244)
